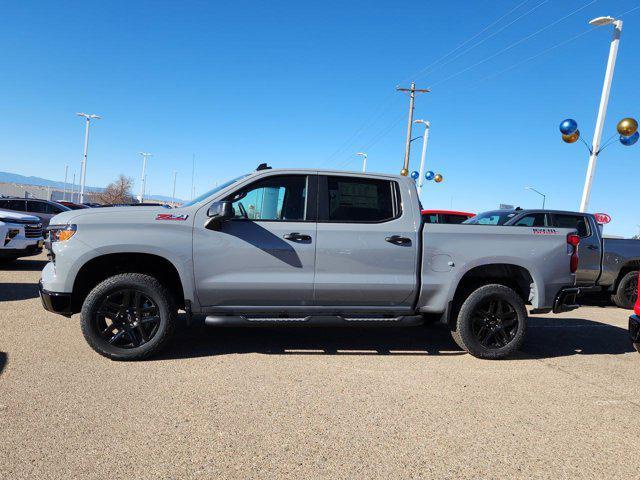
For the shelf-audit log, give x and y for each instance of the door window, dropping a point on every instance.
(280, 198)
(453, 218)
(359, 200)
(430, 218)
(573, 221)
(37, 207)
(533, 220)
(15, 205)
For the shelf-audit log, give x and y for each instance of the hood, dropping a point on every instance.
(19, 217)
(73, 216)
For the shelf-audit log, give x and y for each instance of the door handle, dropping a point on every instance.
(297, 237)
(592, 247)
(398, 240)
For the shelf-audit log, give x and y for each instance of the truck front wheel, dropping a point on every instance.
(491, 322)
(130, 316)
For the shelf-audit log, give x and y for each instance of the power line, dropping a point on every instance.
(531, 10)
(515, 44)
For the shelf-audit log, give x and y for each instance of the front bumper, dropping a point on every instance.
(634, 328)
(55, 302)
(566, 300)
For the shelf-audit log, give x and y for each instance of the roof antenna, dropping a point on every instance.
(263, 166)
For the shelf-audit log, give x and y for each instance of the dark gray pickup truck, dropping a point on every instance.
(606, 264)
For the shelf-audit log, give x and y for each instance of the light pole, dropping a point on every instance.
(143, 178)
(66, 173)
(83, 169)
(604, 100)
(173, 196)
(364, 161)
(544, 197)
(425, 138)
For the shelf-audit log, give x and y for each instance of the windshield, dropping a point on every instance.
(496, 217)
(213, 191)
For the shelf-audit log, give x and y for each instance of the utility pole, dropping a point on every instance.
(412, 95)
(604, 100)
(66, 172)
(73, 186)
(143, 178)
(83, 170)
(173, 197)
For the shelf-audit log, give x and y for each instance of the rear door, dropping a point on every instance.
(366, 253)
(590, 249)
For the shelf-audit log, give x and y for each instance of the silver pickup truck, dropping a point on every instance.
(293, 247)
(606, 264)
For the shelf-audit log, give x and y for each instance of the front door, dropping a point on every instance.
(265, 255)
(367, 246)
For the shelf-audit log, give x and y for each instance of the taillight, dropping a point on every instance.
(637, 306)
(573, 240)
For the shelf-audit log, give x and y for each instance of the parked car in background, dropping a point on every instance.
(43, 209)
(606, 264)
(301, 247)
(634, 320)
(445, 216)
(20, 236)
(72, 206)
(92, 204)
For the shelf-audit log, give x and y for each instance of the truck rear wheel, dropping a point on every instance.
(627, 291)
(491, 322)
(130, 316)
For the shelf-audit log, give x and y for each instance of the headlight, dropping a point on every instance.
(61, 233)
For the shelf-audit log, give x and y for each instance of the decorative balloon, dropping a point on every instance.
(572, 138)
(438, 178)
(627, 127)
(568, 126)
(404, 172)
(415, 175)
(630, 140)
(429, 175)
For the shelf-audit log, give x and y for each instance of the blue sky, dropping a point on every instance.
(309, 84)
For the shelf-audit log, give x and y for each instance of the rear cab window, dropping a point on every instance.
(358, 200)
(577, 222)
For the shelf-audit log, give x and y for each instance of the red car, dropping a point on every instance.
(445, 216)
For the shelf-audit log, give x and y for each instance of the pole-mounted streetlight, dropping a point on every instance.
(364, 161)
(425, 138)
(83, 167)
(544, 197)
(627, 128)
(143, 179)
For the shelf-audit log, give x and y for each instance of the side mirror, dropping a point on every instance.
(218, 212)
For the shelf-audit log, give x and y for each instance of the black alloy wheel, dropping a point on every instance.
(127, 318)
(494, 323)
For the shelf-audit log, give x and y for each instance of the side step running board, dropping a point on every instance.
(316, 320)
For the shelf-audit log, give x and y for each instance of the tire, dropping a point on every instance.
(627, 291)
(136, 306)
(491, 322)
(6, 260)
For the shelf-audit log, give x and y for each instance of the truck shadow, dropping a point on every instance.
(546, 338)
(18, 291)
(23, 265)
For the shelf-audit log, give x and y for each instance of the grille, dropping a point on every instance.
(33, 230)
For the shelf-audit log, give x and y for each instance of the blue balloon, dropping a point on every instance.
(628, 141)
(568, 126)
(429, 175)
(415, 175)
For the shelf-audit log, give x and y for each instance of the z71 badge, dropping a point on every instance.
(171, 216)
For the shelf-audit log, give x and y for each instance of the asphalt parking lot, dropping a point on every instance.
(315, 403)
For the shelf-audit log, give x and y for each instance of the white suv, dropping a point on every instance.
(20, 236)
